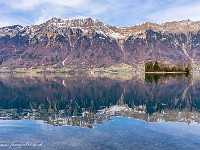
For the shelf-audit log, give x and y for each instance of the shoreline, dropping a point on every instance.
(92, 72)
(166, 72)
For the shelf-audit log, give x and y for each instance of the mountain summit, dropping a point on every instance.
(88, 42)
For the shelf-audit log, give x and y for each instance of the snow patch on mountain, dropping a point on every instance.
(57, 25)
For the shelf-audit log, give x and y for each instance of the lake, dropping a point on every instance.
(99, 111)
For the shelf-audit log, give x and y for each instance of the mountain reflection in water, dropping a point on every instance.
(83, 100)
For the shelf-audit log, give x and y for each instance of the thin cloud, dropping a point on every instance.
(178, 11)
(31, 4)
(115, 12)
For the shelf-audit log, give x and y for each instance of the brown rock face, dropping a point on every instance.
(90, 43)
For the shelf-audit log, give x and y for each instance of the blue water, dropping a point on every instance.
(123, 133)
(68, 112)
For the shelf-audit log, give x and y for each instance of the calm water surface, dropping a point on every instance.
(63, 111)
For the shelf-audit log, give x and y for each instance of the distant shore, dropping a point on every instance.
(165, 72)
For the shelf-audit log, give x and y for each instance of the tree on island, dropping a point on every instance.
(156, 67)
(187, 70)
(150, 67)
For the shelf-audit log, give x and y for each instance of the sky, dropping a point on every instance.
(114, 12)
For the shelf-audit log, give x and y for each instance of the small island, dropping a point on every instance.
(163, 68)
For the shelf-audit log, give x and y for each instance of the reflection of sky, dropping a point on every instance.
(123, 133)
(176, 128)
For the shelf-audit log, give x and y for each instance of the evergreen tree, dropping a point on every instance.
(156, 66)
(187, 70)
(149, 67)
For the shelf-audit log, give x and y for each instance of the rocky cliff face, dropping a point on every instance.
(90, 43)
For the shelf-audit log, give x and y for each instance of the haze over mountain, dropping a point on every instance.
(90, 43)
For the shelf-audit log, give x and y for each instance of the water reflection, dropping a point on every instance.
(83, 100)
(150, 78)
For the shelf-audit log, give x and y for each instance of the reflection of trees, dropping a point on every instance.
(150, 78)
(155, 77)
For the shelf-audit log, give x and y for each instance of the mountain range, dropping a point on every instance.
(88, 43)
